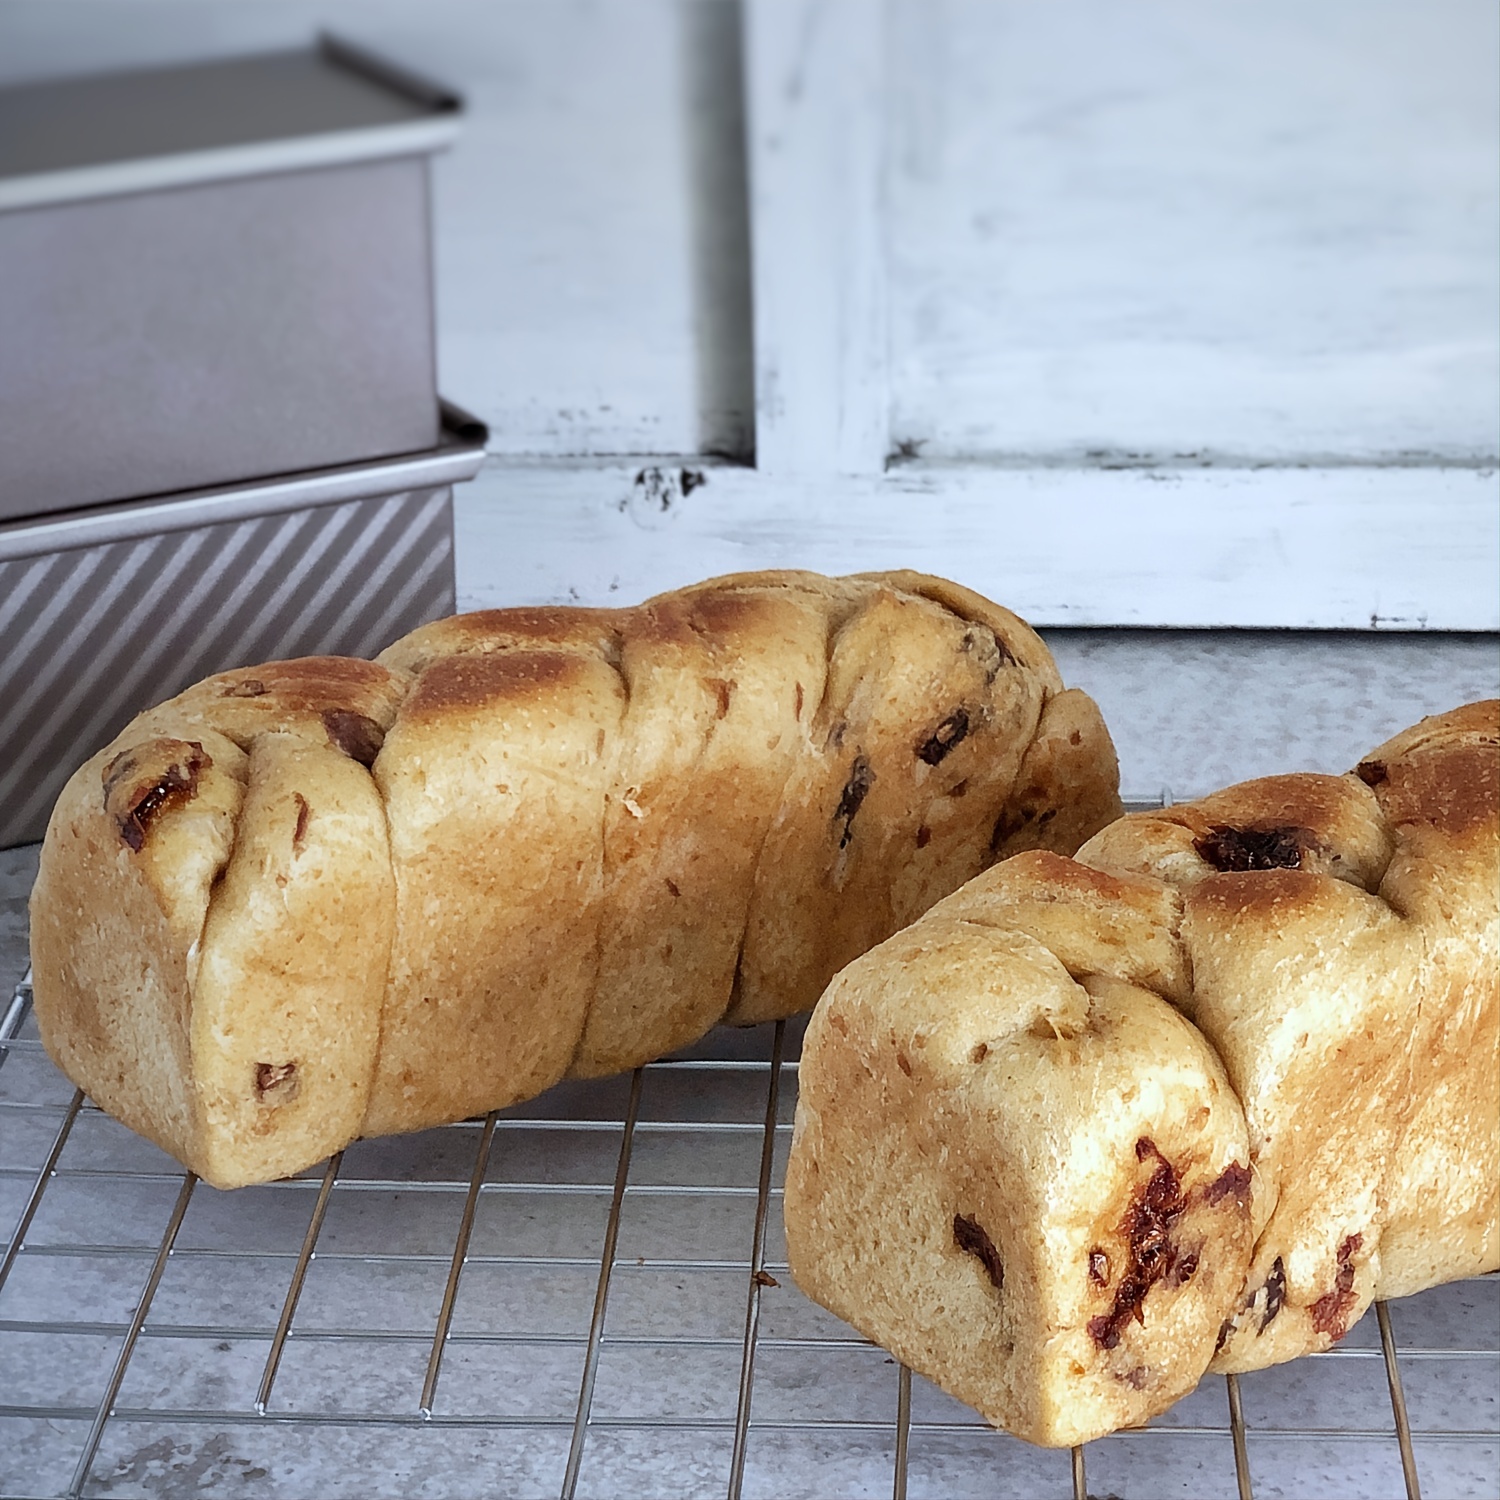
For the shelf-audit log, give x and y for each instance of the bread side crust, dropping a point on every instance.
(494, 778)
(720, 688)
(291, 971)
(1335, 942)
(1353, 999)
(130, 868)
(966, 1181)
(921, 711)
(112, 977)
(1439, 784)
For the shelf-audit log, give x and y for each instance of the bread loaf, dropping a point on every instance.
(1093, 1126)
(325, 898)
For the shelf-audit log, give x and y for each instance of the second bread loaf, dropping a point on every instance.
(1189, 1101)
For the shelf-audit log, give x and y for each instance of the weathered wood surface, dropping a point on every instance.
(1350, 548)
(1263, 232)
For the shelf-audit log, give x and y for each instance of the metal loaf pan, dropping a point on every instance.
(106, 611)
(214, 273)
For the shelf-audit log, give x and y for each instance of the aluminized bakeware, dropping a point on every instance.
(214, 273)
(106, 611)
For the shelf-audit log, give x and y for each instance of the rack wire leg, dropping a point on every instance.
(15, 1014)
(294, 1290)
(455, 1270)
(903, 1432)
(43, 1177)
(1398, 1403)
(601, 1297)
(132, 1333)
(1237, 1432)
(757, 1267)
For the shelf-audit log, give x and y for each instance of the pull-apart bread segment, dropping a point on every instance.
(1328, 952)
(1344, 934)
(325, 898)
(211, 923)
(718, 687)
(1015, 1164)
(1437, 785)
(494, 778)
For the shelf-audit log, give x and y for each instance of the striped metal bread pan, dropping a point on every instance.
(106, 611)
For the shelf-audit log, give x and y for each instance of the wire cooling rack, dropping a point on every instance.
(583, 1296)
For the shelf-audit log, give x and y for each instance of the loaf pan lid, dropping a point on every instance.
(458, 456)
(100, 135)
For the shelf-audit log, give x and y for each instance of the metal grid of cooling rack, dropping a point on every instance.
(491, 1310)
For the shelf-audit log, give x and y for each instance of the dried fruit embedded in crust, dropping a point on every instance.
(359, 737)
(1239, 849)
(276, 1083)
(945, 738)
(1146, 1229)
(1232, 1182)
(170, 787)
(856, 789)
(971, 1238)
(1275, 1293)
(1330, 1313)
(723, 691)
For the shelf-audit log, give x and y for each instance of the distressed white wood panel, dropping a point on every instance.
(591, 248)
(1265, 231)
(593, 290)
(816, 117)
(1353, 547)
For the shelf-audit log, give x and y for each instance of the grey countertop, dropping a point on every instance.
(1189, 712)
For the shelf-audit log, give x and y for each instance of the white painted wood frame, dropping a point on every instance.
(1347, 548)
(1345, 541)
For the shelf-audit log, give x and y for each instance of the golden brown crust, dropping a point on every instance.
(1328, 824)
(1032, 1192)
(1337, 942)
(474, 685)
(599, 829)
(494, 787)
(1443, 772)
(283, 695)
(496, 630)
(1019, 641)
(718, 687)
